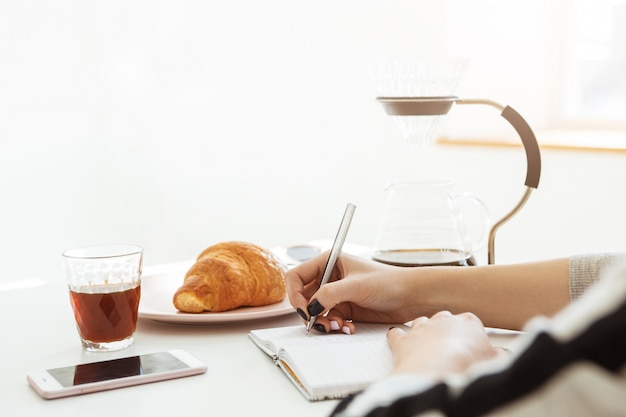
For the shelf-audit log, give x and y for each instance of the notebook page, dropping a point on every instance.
(335, 365)
(271, 340)
(274, 339)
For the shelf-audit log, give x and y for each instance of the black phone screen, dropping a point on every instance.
(117, 368)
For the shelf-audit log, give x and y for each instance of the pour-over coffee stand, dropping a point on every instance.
(439, 106)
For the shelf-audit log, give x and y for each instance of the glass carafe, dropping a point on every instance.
(423, 224)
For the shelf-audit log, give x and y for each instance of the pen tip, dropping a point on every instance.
(309, 325)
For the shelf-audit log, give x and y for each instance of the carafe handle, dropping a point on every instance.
(475, 240)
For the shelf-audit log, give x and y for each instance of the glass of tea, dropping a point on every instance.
(105, 287)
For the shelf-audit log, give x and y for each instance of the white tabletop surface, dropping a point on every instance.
(39, 333)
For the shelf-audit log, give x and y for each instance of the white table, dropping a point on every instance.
(38, 332)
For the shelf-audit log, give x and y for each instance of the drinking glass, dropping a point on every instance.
(105, 288)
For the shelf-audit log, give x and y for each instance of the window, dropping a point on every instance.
(561, 64)
(593, 87)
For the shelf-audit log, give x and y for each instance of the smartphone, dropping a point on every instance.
(116, 373)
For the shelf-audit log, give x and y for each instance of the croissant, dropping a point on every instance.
(229, 275)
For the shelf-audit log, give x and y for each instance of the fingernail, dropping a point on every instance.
(391, 328)
(301, 313)
(320, 328)
(334, 325)
(315, 308)
(346, 330)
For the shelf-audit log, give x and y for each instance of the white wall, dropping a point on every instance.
(175, 125)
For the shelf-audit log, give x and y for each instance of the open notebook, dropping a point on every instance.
(328, 366)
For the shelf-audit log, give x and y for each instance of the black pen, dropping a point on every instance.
(334, 253)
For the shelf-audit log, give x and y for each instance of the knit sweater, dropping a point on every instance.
(584, 271)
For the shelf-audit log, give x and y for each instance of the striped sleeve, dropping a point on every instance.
(572, 364)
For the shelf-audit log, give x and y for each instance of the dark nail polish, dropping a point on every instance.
(315, 308)
(301, 313)
(319, 327)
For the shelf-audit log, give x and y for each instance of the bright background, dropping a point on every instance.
(178, 124)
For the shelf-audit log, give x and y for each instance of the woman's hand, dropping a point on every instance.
(441, 345)
(359, 290)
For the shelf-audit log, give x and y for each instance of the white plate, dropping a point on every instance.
(160, 282)
(157, 291)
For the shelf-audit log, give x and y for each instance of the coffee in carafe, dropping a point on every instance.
(424, 257)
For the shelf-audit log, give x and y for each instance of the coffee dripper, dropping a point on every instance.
(417, 93)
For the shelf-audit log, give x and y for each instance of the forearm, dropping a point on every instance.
(504, 296)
